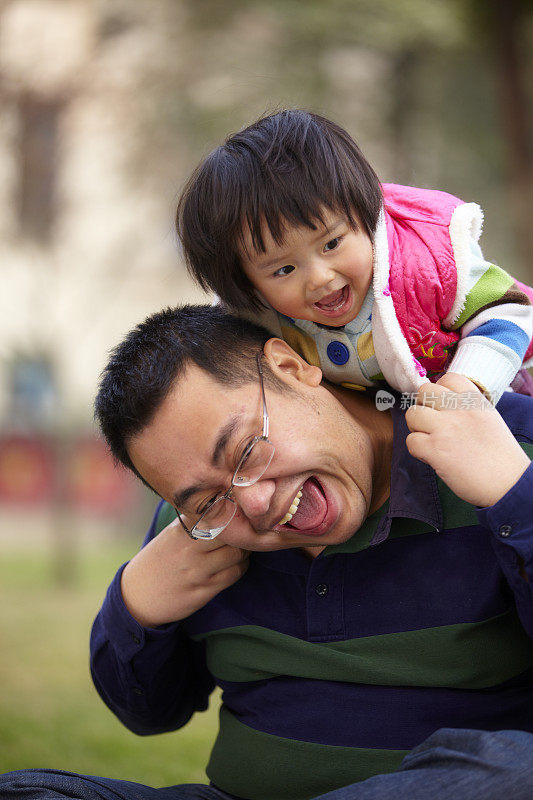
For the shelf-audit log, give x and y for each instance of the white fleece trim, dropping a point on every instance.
(465, 225)
(394, 357)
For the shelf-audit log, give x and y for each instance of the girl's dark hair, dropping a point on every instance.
(145, 366)
(285, 169)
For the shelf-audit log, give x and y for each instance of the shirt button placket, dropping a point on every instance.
(325, 613)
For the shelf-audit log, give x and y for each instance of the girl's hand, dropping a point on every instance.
(461, 435)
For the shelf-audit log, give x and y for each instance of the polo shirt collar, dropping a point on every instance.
(413, 495)
(413, 491)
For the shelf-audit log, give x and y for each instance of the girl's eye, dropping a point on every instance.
(332, 244)
(286, 270)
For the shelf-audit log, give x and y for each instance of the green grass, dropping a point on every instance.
(50, 713)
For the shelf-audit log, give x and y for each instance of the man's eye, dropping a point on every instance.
(244, 453)
(203, 507)
(332, 244)
(286, 270)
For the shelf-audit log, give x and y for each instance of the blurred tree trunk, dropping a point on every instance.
(403, 102)
(507, 18)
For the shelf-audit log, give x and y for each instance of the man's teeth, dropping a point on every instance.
(292, 510)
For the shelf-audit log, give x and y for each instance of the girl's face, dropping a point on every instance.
(321, 275)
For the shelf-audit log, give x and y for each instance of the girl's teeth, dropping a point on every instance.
(292, 509)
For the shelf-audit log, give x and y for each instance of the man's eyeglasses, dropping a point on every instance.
(253, 464)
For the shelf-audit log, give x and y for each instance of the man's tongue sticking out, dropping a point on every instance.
(312, 508)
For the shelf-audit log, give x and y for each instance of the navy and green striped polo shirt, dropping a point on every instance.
(332, 669)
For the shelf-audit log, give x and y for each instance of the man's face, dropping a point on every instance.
(189, 451)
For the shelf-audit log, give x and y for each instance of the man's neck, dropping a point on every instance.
(379, 428)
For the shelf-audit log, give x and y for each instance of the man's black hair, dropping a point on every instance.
(285, 169)
(144, 367)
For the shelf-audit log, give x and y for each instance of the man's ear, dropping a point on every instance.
(288, 365)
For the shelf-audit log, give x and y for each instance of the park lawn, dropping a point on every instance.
(50, 713)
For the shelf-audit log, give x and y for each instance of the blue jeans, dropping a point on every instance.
(449, 765)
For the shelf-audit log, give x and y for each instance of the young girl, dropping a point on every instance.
(288, 222)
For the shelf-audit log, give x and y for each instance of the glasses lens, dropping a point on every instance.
(254, 463)
(214, 520)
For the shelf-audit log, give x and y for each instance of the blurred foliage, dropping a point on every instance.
(277, 47)
(483, 15)
(417, 84)
(375, 23)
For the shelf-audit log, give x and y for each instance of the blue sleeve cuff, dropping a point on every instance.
(511, 518)
(127, 636)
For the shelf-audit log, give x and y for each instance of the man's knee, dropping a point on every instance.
(51, 784)
(502, 761)
(46, 784)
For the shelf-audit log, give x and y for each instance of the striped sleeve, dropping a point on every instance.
(496, 327)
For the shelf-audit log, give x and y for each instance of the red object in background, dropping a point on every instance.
(93, 482)
(27, 470)
(81, 474)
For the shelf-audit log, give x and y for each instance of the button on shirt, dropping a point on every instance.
(333, 668)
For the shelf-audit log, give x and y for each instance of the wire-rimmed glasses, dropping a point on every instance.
(253, 464)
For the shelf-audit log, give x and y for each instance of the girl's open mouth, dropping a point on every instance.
(335, 304)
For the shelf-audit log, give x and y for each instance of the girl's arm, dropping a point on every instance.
(496, 327)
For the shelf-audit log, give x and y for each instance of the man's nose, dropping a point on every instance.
(255, 500)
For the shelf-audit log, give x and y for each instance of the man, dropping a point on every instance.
(347, 602)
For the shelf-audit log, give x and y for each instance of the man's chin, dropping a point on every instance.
(289, 538)
(337, 533)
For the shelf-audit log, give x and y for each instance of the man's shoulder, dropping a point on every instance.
(164, 515)
(517, 411)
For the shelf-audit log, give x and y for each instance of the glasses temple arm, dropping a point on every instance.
(265, 413)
